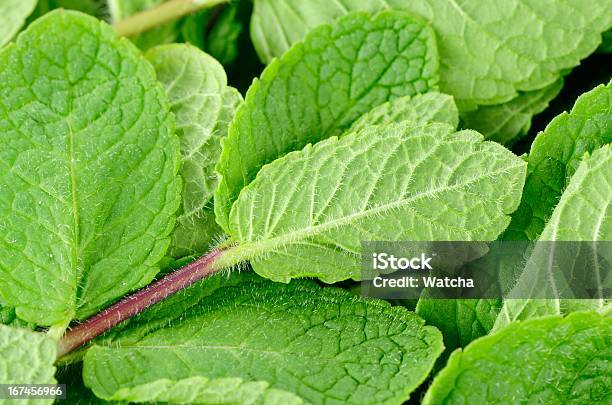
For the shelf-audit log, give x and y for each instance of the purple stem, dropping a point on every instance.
(138, 302)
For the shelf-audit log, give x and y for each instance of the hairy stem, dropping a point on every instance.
(139, 301)
(162, 14)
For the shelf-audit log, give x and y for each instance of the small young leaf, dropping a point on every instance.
(420, 109)
(320, 87)
(306, 213)
(89, 162)
(489, 49)
(203, 104)
(555, 155)
(507, 123)
(13, 14)
(26, 357)
(319, 344)
(583, 214)
(548, 360)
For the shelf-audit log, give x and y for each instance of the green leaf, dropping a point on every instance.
(202, 390)
(420, 109)
(222, 40)
(583, 214)
(96, 8)
(13, 14)
(394, 182)
(320, 87)
(507, 123)
(203, 104)
(88, 185)
(460, 320)
(549, 361)
(555, 155)
(489, 49)
(26, 357)
(319, 344)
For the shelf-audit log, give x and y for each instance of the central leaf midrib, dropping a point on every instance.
(255, 248)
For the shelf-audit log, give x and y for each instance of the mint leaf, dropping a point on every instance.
(89, 162)
(320, 87)
(319, 344)
(13, 14)
(507, 123)
(460, 320)
(489, 50)
(583, 214)
(203, 390)
(547, 360)
(555, 155)
(26, 357)
(306, 213)
(203, 104)
(420, 109)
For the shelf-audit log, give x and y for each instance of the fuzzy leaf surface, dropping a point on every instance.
(319, 344)
(26, 357)
(321, 86)
(555, 155)
(489, 50)
(88, 169)
(419, 109)
(583, 214)
(547, 360)
(306, 214)
(203, 105)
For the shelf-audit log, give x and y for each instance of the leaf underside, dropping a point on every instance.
(306, 214)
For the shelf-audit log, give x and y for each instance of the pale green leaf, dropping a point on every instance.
(583, 214)
(322, 345)
(88, 169)
(306, 213)
(419, 109)
(13, 14)
(555, 155)
(507, 123)
(202, 390)
(204, 105)
(26, 357)
(320, 87)
(489, 49)
(549, 360)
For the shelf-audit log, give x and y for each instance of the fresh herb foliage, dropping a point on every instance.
(555, 156)
(306, 213)
(320, 87)
(27, 357)
(547, 360)
(318, 343)
(379, 120)
(203, 105)
(13, 14)
(89, 170)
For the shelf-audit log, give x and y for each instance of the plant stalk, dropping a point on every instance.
(159, 15)
(139, 301)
